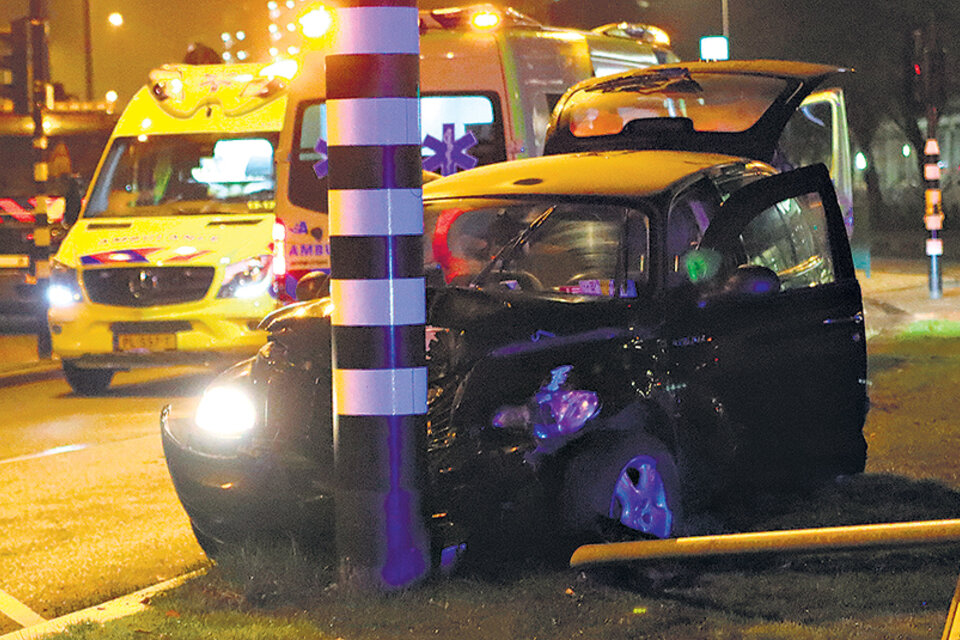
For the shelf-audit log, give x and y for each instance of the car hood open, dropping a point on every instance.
(733, 107)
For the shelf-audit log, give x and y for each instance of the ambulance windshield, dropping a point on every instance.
(186, 174)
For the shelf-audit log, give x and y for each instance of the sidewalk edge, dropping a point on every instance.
(111, 610)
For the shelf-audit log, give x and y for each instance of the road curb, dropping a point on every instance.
(36, 373)
(112, 610)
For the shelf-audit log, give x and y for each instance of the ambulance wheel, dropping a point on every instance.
(87, 382)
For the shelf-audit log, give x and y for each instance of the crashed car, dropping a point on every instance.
(619, 337)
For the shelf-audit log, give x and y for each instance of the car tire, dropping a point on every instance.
(622, 485)
(610, 466)
(87, 382)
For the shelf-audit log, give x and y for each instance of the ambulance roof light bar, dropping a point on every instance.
(480, 17)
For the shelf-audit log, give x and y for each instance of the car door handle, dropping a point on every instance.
(856, 318)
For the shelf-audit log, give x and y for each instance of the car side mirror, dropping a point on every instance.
(314, 285)
(73, 201)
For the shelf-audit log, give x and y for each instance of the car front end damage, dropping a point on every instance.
(506, 413)
(251, 463)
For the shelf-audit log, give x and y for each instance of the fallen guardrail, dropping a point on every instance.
(864, 536)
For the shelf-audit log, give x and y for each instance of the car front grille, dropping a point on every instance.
(147, 286)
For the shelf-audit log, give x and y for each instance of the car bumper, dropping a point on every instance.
(232, 493)
(201, 333)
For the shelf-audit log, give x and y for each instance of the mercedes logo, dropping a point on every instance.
(141, 283)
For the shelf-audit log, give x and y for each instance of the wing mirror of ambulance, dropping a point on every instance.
(73, 201)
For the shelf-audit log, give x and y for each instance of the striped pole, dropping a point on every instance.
(39, 75)
(933, 215)
(377, 287)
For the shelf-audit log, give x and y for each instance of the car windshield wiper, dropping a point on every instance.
(510, 246)
(672, 80)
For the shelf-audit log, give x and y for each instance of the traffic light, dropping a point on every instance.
(15, 73)
(925, 72)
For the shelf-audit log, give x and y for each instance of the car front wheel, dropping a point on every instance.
(87, 382)
(623, 484)
(640, 500)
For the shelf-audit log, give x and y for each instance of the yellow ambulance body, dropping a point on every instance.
(171, 260)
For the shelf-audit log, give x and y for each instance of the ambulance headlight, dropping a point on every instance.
(249, 278)
(64, 287)
(226, 411)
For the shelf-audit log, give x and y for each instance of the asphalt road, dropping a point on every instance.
(87, 509)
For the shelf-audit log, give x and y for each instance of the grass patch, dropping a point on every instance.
(925, 329)
(894, 593)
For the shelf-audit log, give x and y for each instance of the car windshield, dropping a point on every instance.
(561, 247)
(461, 237)
(712, 102)
(189, 174)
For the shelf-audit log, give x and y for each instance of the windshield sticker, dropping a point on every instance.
(602, 288)
(451, 152)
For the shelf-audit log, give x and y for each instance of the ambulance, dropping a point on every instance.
(489, 79)
(171, 258)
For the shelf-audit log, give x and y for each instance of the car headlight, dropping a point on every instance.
(248, 278)
(554, 411)
(226, 411)
(63, 289)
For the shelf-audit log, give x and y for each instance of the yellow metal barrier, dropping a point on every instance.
(894, 534)
(829, 538)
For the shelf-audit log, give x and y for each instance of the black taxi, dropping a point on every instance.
(621, 334)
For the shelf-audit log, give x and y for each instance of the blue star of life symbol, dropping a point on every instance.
(320, 166)
(449, 153)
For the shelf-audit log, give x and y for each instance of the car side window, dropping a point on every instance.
(689, 216)
(791, 239)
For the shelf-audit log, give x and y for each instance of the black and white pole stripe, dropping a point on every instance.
(933, 214)
(377, 288)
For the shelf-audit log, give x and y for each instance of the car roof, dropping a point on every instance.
(735, 106)
(608, 173)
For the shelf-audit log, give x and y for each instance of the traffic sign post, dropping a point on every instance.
(378, 292)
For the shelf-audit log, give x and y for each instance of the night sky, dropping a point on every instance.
(158, 31)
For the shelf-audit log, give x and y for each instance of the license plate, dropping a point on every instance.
(147, 341)
(14, 262)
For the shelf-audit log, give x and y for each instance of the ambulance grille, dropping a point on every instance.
(147, 286)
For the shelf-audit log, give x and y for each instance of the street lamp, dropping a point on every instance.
(116, 20)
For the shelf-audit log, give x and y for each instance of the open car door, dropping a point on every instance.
(782, 318)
